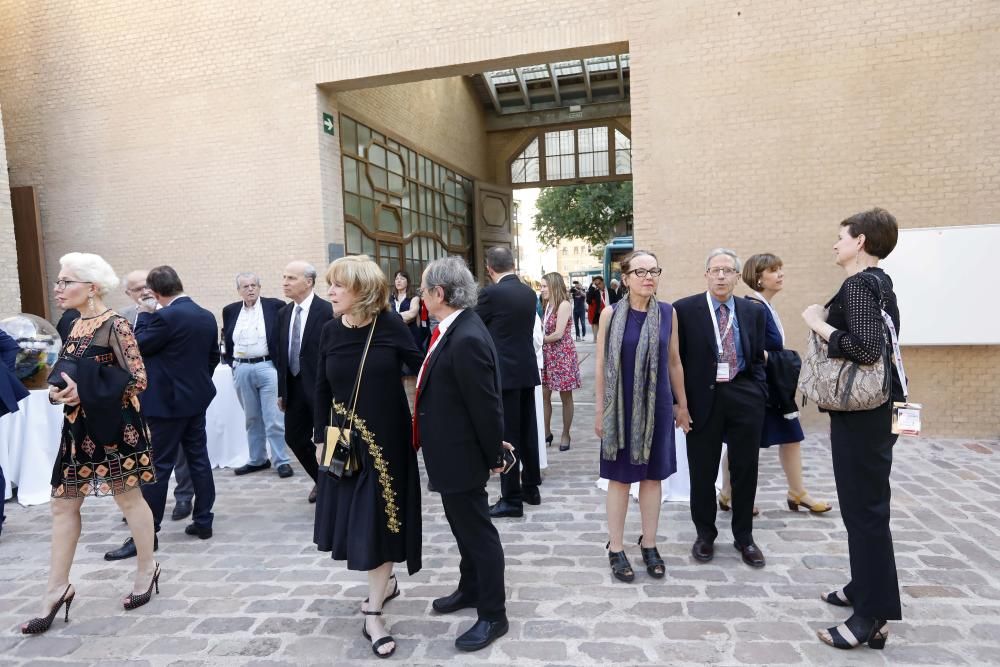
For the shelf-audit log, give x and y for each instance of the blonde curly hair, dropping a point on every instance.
(365, 279)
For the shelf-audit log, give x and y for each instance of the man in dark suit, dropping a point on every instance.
(458, 418)
(250, 342)
(507, 308)
(722, 348)
(178, 345)
(299, 326)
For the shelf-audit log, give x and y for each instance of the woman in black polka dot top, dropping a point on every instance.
(862, 441)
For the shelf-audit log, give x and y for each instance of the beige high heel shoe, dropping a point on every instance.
(795, 501)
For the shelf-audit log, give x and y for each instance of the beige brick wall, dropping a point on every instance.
(191, 134)
(10, 289)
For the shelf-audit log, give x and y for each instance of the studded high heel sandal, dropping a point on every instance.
(135, 601)
(37, 626)
(843, 637)
(654, 562)
(378, 643)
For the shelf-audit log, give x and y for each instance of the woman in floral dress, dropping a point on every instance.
(104, 449)
(562, 369)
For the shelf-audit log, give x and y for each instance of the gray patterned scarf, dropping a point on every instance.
(647, 360)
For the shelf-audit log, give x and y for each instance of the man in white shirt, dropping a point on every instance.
(250, 342)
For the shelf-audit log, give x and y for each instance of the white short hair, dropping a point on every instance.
(92, 269)
(728, 253)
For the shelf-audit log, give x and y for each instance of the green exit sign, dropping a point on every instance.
(328, 125)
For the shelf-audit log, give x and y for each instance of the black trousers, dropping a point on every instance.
(737, 416)
(185, 434)
(521, 430)
(481, 567)
(299, 425)
(862, 460)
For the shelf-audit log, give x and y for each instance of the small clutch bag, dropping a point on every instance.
(62, 365)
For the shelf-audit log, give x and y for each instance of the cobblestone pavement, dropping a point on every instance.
(258, 593)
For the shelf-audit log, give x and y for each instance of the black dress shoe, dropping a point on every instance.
(703, 550)
(504, 509)
(481, 635)
(285, 470)
(182, 510)
(204, 532)
(248, 468)
(531, 495)
(454, 602)
(752, 555)
(127, 550)
(312, 494)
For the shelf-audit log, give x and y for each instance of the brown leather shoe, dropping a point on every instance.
(752, 555)
(703, 550)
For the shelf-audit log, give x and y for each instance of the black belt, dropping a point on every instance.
(251, 360)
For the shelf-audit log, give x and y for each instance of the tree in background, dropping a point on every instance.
(588, 212)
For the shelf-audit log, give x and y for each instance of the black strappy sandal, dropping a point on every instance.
(620, 567)
(378, 643)
(136, 600)
(844, 637)
(654, 563)
(395, 591)
(837, 598)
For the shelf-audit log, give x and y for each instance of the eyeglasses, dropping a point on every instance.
(642, 273)
(722, 272)
(61, 283)
(140, 288)
(244, 288)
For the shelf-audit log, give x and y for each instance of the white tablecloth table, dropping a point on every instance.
(29, 439)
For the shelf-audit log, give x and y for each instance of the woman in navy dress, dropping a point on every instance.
(640, 394)
(764, 275)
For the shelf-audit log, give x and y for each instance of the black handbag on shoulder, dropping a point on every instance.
(342, 447)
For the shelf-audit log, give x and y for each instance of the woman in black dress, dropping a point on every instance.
(372, 518)
(403, 301)
(104, 449)
(862, 441)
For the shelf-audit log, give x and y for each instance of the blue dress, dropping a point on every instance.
(776, 430)
(662, 455)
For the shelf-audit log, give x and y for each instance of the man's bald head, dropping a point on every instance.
(298, 280)
(135, 285)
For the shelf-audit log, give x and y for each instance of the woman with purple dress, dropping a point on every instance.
(640, 397)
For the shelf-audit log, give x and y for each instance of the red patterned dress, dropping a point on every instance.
(83, 468)
(562, 369)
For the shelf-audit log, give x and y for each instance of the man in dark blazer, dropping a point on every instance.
(458, 418)
(722, 348)
(300, 324)
(179, 347)
(250, 342)
(507, 308)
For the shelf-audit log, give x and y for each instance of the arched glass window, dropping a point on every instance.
(574, 155)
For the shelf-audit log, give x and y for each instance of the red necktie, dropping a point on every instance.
(416, 428)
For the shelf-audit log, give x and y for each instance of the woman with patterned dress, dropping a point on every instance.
(562, 369)
(764, 275)
(104, 449)
(640, 397)
(370, 519)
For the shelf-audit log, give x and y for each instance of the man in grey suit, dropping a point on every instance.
(137, 290)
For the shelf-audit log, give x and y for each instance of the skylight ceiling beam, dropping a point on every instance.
(555, 84)
(519, 75)
(586, 81)
(492, 89)
(621, 77)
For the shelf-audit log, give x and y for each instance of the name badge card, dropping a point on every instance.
(722, 371)
(906, 418)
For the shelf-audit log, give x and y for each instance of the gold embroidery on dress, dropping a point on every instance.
(378, 462)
